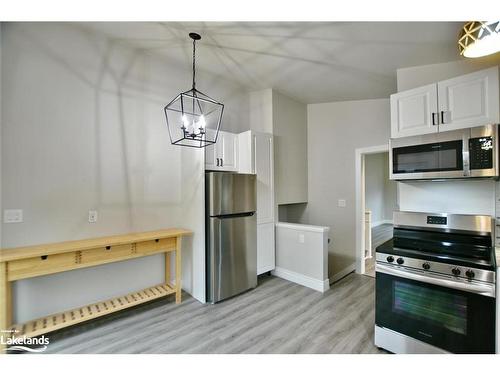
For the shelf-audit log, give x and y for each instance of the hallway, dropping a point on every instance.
(380, 234)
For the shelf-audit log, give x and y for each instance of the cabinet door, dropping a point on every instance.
(469, 100)
(222, 156)
(412, 112)
(264, 157)
(228, 151)
(211, 156)
(265, 248)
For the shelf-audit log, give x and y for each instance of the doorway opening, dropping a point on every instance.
(376, 199)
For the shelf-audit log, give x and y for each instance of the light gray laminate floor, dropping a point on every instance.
(276, 317)
(380, 234)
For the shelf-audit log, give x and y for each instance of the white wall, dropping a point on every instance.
(83, 128)
(261, 111)
(302, 254)
(334, 131)
(462, 196)
(415, 76)
(456, 197)
(1, 206)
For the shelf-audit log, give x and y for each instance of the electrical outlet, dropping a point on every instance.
(302, 238)
(13, 216)
(342, 203)
(92, 216)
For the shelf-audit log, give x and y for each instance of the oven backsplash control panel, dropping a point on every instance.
(439, 220)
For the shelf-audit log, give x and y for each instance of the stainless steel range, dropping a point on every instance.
(435, 285)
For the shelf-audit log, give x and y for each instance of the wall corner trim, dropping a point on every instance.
(309, 282)
(341, 274)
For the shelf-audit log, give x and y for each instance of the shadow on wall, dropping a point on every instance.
(83, 128)
(99, 105)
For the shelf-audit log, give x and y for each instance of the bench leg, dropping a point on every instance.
(168, 275)
(178, 251)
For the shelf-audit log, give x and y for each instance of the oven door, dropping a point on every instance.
(455, 320)
(444, 159)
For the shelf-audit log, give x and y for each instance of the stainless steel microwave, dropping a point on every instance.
(464, 153)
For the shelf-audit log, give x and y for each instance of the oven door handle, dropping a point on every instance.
(484, 290)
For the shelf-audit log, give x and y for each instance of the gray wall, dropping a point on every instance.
(390, 191)
(83, 128)
(334, 131)
(380, 192)
(466, 196)
(290, 154)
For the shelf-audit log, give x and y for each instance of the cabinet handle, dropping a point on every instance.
(217, 161)
(442, 117)
(434, 118)
(221, 162)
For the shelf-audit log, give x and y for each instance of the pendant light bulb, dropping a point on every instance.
(185, 121)
(202, 123)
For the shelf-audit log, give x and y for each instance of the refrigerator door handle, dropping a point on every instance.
(232, 216)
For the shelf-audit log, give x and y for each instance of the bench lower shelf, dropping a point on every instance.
(68, 318)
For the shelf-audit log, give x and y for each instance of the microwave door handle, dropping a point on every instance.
(466, 155)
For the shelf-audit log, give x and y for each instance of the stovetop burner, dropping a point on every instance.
(460, 240)
(485, 264)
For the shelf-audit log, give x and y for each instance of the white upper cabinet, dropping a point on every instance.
(223, 156)
(469, 100)
(462, 102)
(414, 112)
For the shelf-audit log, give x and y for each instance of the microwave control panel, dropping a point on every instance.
(481, 153)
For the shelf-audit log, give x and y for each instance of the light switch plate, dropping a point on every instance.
(342, 203)
(92, 216)
(13, 216)
(302, 238)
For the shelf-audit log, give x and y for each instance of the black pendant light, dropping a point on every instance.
(193, 118)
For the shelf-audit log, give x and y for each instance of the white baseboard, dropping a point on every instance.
(380, 222)
(346, 271)
(319, 285)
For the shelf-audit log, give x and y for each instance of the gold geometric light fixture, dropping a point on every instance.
(479, 38)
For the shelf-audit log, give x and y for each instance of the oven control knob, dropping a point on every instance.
(469, 274)
(426, 266)
(456, 271)
(400, 261)
(390, 259)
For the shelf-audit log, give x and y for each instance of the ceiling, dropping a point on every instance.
(312, 62)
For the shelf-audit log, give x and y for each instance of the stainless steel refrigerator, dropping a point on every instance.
(231, 234)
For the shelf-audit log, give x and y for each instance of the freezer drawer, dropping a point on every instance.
(231, 256)
(230, 193)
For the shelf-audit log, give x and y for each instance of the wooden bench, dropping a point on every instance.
(32, 261)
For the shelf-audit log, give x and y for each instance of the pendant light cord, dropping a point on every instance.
(194, 61)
